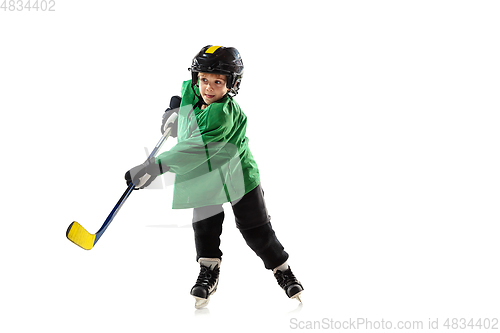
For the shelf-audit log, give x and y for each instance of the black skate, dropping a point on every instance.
(288, 282)
(207, 281)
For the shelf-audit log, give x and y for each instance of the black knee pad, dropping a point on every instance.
(263, 241)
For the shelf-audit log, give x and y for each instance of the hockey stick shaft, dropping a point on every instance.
(81, 237)
(129, 189)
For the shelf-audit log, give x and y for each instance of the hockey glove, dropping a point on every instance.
(175, 103)
(145, 174)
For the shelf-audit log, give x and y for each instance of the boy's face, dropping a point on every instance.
(212, 87)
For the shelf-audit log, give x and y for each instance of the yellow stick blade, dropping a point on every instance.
(81, 237)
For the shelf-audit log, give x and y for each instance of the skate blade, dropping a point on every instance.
(297, 296)
(200, 303)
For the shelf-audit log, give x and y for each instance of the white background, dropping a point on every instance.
(375, 125)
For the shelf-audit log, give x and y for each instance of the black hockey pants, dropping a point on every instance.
(251, 219)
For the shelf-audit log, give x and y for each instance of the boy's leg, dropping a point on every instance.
(254, 224)
(207, 226)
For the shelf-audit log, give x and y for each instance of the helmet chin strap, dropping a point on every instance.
(201, 101)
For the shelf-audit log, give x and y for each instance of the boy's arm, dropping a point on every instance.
(207, 145)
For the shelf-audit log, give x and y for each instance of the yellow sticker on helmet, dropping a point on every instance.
(212, 49)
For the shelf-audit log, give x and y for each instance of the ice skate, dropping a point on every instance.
(289, 283)
(207, 281)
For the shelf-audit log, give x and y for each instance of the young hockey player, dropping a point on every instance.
(213, 165)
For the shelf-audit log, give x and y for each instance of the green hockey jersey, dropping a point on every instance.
(211, 160)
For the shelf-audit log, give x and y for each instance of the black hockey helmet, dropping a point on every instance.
(219, 60)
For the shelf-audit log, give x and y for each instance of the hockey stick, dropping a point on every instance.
(84, 239)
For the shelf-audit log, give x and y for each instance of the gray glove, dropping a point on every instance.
(145, 173)
(175, 103)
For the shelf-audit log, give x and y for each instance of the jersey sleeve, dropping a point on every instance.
(206, 148)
